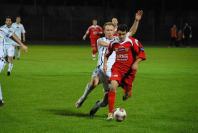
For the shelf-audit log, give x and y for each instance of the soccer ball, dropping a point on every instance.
(119, 114)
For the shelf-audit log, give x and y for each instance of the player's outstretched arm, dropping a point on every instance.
(15, 38)
(138, 17)
(85, 35)
(103, 43)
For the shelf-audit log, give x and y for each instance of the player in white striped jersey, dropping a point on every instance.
(19, 30)
(98, 76)
(4, 32)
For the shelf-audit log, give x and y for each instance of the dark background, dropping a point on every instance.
(63, 20)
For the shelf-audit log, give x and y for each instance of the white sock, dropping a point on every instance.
(1, 97)
(10, 66)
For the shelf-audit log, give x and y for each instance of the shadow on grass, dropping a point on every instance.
(70, 113)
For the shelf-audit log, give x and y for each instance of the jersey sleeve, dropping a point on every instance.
(7, 33)
(100, 30)
(139, 49)
(88, 30)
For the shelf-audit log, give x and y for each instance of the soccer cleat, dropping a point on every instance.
(80, 102)
(110, 116)
(125, 97)
(94, 109)
(1, 102)
(8, 73)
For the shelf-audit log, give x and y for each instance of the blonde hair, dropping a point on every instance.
(108, 23)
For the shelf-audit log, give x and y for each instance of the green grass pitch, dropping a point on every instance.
(46, 82)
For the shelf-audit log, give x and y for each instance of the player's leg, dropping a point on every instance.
(1, 97)
(2, 64)
(128, 84)
(101, 103)
(89, 87)
(93, 47)
(10, 59)
(111, 98)
(17, 53)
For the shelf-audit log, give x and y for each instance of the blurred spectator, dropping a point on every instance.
(179, 38)
(173, 35)
(187, 34)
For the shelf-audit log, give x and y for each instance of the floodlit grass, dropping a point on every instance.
(46, 82)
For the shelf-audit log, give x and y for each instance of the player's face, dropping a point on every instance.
(8, 22)
(94, 22)
(109, 31)
(18, 19)
(122, 35)
(115, 21)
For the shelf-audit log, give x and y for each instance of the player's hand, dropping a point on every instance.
(105, 68)
(24, 47)
(134, 66)
(138, 15)
(84, 37)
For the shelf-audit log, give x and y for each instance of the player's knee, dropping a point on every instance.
(95, 83)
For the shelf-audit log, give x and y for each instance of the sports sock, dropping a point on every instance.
(10, 66)
(111, 100)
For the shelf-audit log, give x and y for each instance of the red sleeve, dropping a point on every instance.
(88, 30)
(100, 30)
(138, 49)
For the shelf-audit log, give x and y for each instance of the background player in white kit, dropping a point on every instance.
(9, 44)
(19, 30)
(4, 32)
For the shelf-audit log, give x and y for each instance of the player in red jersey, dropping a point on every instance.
(129, 52)
(94, 31)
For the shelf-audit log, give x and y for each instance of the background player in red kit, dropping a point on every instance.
(94, 31)
(129, 52)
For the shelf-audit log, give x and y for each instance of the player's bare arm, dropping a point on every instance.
(138, 17)
(84, 37)
(105, 64)
(103, 43)
(135, 64)
(23, 37)
(24, 47)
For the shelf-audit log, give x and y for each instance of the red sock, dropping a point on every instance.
(111, 100)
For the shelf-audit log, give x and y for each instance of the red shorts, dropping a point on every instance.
(124, 77)
(94, 47)
(93, 42)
